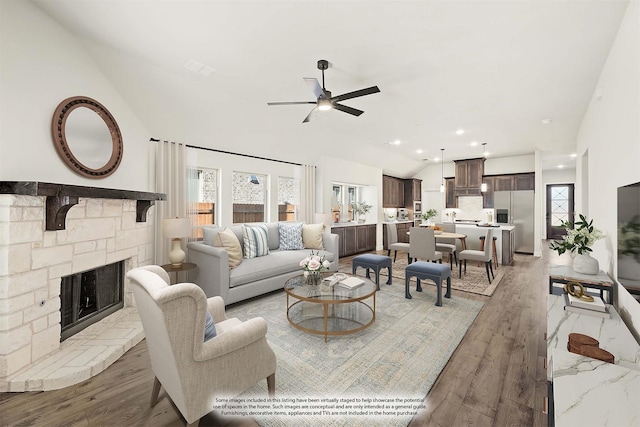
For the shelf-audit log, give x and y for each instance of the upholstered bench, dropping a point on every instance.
(422, 270)
(374, 262)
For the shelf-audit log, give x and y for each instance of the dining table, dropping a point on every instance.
(450, 235)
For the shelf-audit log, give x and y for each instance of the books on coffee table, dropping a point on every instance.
(351, 283)
(599, 309)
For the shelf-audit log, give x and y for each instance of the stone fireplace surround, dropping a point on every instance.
(93, 227)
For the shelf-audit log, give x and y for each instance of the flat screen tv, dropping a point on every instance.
(629, 237)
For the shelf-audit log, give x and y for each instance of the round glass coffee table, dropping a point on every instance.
(323, 310)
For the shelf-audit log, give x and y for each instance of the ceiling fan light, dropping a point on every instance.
(324, 105)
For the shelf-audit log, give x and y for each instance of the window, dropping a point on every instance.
(203, 192)
(249, 196)
(288, 198)
(344, 195)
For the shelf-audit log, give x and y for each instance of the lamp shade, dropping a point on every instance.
(175, 228)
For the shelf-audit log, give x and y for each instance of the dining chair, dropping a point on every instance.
(481, 256)
(448, 246)
(422, 245)
(393, 244)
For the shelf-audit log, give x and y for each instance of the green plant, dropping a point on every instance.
(431, 213)
(360, 208)
(580, 237)
(629, 238)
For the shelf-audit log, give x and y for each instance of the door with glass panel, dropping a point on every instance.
(560, 207)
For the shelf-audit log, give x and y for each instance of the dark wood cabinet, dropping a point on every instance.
(449, 188)
(487, 196)
(412, 192)
(468, 176)
(524, 181)
(355, 238)
(503, 183)
(392, 192)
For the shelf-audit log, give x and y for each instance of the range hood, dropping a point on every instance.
(468, 178)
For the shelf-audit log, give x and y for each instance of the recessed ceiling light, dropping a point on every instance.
(560, 166)
(546, 121)
(419, 151)
(436, 159)
(573, 155)
(396, 142)
(460, 132)
(474, 143)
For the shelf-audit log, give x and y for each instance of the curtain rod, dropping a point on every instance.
(234, 154)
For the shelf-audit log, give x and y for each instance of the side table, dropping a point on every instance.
(565, 274)
(186, 266)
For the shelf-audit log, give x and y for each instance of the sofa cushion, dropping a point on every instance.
(273, 234)
(209, 328)
(312, 236)
(275, 264)
(228, 240)
(290, 236)
(256, 243)
(209, 233)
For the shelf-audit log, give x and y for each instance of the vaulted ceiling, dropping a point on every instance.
(495, 69)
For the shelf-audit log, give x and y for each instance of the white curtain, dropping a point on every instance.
(171, 179)
(309, 188)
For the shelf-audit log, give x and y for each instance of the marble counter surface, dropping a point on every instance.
(589, 392)
(612, 333)
(350, 224)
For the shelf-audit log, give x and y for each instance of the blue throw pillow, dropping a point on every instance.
(290, 236)
(255, 241)
(209, 328)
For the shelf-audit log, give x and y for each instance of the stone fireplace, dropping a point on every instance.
(47, 232)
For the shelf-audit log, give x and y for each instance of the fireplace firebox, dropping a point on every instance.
(90, 296)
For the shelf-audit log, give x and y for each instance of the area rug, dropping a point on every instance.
(379, 376)
(475, 281)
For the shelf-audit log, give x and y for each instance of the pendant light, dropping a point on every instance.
(442, 170)
(483, 186)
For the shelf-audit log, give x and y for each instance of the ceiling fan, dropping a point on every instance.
(324, 100)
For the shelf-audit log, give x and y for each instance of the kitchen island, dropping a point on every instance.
(505, 235)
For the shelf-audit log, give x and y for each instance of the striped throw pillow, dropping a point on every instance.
(255, 241)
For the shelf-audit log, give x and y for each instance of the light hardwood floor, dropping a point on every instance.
(496, 377)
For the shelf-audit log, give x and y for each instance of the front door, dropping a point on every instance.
(560, 207)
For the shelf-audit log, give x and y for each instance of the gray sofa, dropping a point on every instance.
(255, 276)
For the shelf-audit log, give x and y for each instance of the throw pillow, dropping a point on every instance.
(227, 239)
(290, 236)
(312, 236)
(209, 328)
(255, 241)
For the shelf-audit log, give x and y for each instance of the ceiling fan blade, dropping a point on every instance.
(291, 103)
(310, 116)
(315, 87)
(346, 109)
(355, 94)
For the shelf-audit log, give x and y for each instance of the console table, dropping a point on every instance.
(586, 391)
(565, 274)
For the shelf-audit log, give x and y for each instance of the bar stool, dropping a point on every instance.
(495, 253)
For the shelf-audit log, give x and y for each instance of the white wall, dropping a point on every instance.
(507, 165)
(43, 64)
(610, 134)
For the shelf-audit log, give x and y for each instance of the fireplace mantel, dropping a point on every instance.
(62, 197)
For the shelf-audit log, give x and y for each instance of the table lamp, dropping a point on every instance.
(176, 229)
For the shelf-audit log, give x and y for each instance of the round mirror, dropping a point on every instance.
(87, 137)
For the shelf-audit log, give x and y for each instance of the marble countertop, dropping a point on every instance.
(350, 224)
(494, 226)
(589, 392)
(612, 333)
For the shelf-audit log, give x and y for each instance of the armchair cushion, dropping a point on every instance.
(256, 243)
(290, 236)
(209, 328)
(227, 239)
(312, 236)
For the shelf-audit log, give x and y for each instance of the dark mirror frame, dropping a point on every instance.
(58, 123)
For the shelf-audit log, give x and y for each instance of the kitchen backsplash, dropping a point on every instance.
(470, 207)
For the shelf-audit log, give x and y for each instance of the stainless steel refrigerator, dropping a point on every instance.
(516, 208)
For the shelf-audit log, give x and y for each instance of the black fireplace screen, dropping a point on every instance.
(90, 296)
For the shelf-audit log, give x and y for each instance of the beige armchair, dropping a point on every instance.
(193, 372)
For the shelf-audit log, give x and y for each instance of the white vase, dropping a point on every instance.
(585, 264)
